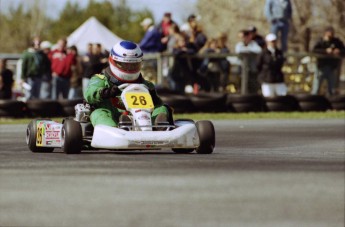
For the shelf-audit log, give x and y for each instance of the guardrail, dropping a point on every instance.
(298, 69)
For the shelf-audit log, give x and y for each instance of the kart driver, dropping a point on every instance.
(103, 94)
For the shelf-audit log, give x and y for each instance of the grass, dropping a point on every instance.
(227, 116)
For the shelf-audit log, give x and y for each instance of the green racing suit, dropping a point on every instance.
(108, 111)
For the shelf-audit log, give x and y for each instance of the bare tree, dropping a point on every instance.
(310, 17)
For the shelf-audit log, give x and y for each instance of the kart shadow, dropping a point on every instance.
(131, 153)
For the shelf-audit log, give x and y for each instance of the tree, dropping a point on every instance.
(310, 17)
(21, 24)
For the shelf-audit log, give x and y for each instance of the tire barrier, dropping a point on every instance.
(209, 103)
(12, 108)
(179, 103)
(313, 102)
(43, 108)
(244, 103)
(286, 103)
(337, 102)
(204, 102)
(67, 106)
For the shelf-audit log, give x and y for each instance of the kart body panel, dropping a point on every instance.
(107, 137)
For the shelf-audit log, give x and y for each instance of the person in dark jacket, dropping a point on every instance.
(327, 65)
(151, 42)
(270, 65)
(6, 80)
(181, 73)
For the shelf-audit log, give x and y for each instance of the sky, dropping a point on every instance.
(180, 9)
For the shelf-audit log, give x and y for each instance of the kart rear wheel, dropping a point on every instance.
(31, 139)
(207, 137)
(72, 137)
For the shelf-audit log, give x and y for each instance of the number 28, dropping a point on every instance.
(137, 100)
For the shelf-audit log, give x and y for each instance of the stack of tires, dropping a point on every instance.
(337, 102)
(309, 102)
(286, 103)
(12, 108)
(244, 103)
(209, 102)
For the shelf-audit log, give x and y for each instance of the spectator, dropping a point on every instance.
(151, 42)
(247, 44)
(250, 49)
(99, 58)
(61, 66)
(174, 34)
(34, 65)
(181, 72)
(198, 36)
(279, 13)
(224, 63)
(186, 28)
(210, 67)
(332, 48)
(256, 37)
(270, 65)
(164, 28)
(6, 80)
(47, 76)
(75, 91)
(86, 66)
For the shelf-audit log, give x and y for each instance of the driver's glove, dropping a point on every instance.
(110, 92)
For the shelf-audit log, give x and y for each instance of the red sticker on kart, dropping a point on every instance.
(52, 135)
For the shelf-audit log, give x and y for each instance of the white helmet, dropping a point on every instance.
(125, 61)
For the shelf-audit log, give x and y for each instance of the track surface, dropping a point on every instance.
(263, 173)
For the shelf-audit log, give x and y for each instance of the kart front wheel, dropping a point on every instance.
(207, 137)
(72, 137)
(31, 139)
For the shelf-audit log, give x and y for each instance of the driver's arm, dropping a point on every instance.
(157, 101)
(92, 95)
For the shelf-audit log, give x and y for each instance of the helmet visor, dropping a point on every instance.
(128, 67)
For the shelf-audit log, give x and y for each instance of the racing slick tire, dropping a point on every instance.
(207, 137)
(72, 137)
(31, 139)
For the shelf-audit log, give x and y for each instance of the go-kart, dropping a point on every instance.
(77, 133)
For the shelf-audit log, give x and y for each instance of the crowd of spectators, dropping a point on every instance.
(53, 72)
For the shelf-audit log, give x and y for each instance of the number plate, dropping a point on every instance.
(40, 134)
(139, 100)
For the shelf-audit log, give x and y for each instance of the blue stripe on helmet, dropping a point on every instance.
(113, 53)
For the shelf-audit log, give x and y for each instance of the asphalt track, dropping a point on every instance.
(263, 173)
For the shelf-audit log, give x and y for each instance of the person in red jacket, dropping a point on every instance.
(61, 66)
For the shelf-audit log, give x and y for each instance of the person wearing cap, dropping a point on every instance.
(151, 42)
(279, 14)
(270, 65)
(331, 48)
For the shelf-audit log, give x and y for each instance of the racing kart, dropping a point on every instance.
(77, 133)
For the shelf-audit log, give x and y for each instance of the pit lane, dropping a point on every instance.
(263, 173)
